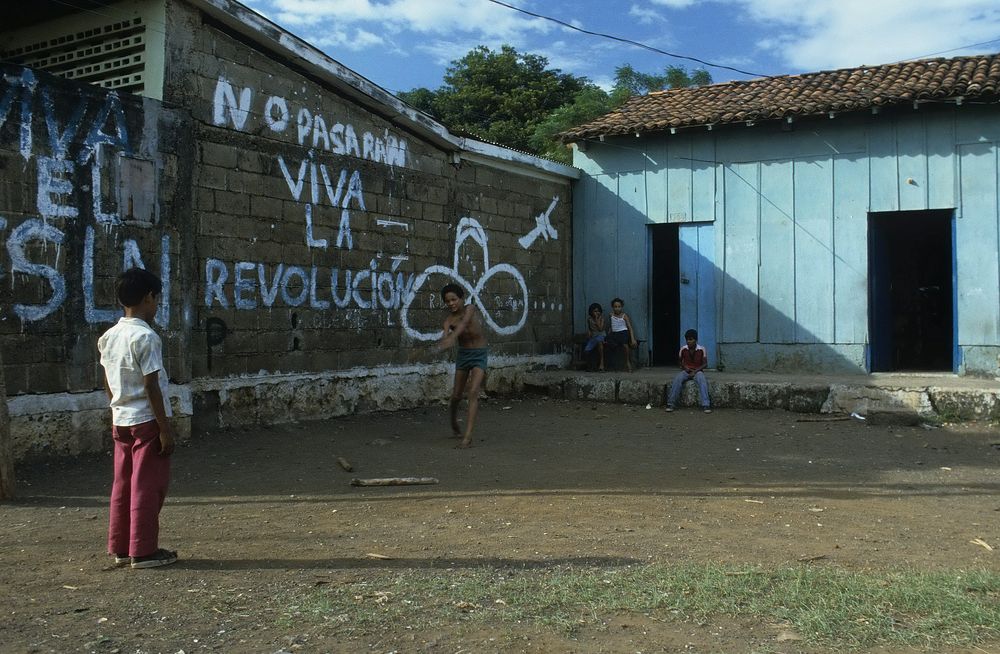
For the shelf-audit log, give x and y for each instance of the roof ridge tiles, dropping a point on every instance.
(811, 93)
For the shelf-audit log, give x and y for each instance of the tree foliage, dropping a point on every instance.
(515, 100)
(629, 82)
(499, 96)
(587, 105)
(595, 102)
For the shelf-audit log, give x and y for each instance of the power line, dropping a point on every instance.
(628, 41)
(940, 52)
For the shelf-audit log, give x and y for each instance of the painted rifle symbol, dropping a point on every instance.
(544, 227)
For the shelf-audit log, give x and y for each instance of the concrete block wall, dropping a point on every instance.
(90, 183)
(303, 238)
(324, 231)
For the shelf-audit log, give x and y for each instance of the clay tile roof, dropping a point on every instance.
(848, 89)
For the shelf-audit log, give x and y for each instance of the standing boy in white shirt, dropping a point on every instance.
(136, 384)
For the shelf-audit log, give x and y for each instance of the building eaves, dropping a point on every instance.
(257, 28)
(810, 94)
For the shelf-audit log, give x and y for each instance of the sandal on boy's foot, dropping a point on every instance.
(122, 560)
(670, 409)
(155, 560)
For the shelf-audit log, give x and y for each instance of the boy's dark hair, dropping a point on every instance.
(593, 306)
(691, 333)
(619, 301)
(452, 288)
(135, 284)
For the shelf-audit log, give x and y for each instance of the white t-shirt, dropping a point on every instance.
(129, 351)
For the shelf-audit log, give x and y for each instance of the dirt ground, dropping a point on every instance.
(261, 518)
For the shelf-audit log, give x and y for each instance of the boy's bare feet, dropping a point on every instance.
(465, 444)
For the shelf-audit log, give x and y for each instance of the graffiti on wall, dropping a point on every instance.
(258, 285)
(249, 111)
(72, 159)
(320, 135)
(543, 227)
(75, 153)
(381, 286)
(469, 228)
(314, 184)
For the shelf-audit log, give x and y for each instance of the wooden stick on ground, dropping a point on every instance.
(344, 463)
(394, 481)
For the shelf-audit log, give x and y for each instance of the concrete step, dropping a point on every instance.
(885, 399)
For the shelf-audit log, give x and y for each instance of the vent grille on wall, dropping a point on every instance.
(111, 56)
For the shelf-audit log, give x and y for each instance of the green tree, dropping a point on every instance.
(629, 82)
(592, 102)
(498, 96)
(513, 99)
(420, 98)
(587, 105)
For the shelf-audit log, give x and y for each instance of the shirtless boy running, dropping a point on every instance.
(464, 325)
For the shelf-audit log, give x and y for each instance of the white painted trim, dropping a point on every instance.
(42, 403)
(519, 163)
(427, 369)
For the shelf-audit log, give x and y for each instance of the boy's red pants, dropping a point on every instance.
(142, 475)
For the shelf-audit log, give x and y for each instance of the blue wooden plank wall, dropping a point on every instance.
(978, 274)
(741, 254)
(814, 311)
(680, 182)
(777, 238)
(850, 248)
(697, 296)
(778, 221)
(610, 242)
(883, 170)
(911, 153)
(595, 245)
(942, 164)
(657, 185)
(633, 245)
(704, 181)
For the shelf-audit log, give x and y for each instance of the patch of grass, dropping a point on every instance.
(827, 606)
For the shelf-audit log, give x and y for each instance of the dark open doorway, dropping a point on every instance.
(910, 291)
(664, 300)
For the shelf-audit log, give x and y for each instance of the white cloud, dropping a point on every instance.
(821, 35)
(674, 4)
(443, 52)
(562, 56)
(605, 82)
(558, 53)
(477, 17)
(355, 40)
(645, 16)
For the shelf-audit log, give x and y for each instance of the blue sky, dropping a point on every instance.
(403, 44)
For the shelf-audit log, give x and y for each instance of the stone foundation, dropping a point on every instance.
(895, 403)
(71, 424)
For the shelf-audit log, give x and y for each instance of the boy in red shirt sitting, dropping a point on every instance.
(693, 359)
